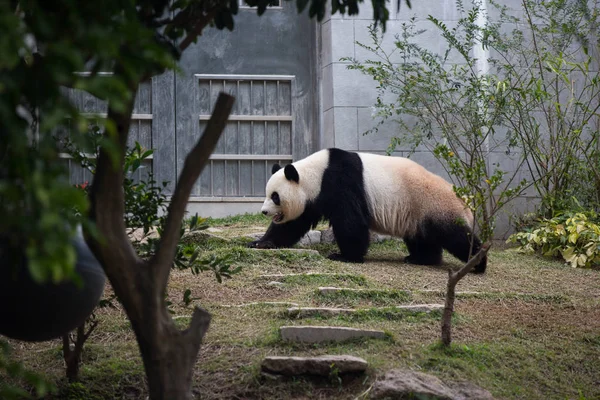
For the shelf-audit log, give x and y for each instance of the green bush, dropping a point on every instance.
(574, 237)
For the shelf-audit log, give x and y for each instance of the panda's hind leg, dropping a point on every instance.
(423, 250)
(462, 243)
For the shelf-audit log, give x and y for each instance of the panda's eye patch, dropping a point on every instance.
(275, 198)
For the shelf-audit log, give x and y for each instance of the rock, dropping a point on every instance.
(322, 365)
(378, 237)
(327, 236)
(470, 391)
(275, 284)
(137, 235)
(402, 384)
(405, 384)
(303, 312)
(317, 334)
(312, 237)
(255, 235)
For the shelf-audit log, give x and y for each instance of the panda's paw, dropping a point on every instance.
(341, 258)
(262, 244)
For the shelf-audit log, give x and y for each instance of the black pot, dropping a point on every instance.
(33, 312)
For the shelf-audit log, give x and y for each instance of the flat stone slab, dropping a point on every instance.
(330, 289)
(443, 292)
(303, 312)
(322, 365)
(421, 307)
(319, 334)
(405, 384)
(283, 276)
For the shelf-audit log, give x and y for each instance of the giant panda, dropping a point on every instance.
(358, 192)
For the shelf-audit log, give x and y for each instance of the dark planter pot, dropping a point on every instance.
(33, 312)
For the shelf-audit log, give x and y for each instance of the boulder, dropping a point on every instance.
(327, 236)
(405, 384)
(311, 237)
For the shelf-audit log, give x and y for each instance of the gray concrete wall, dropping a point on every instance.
(348, 96)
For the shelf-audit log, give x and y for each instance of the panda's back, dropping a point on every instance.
(401, 193)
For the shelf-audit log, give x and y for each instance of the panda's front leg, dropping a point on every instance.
(352, 238)
(283, 235)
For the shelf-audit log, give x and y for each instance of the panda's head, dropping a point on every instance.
(286, 198)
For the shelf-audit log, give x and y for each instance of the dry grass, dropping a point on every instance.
(532, 331)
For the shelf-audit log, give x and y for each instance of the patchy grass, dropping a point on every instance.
(323, 279)
(365, 297)
(530, 332)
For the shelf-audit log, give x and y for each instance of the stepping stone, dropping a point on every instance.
(329, 289)
(322, 365)
(303, 312)
(263, 303)
(443, 292)
(421, 307)
(318, 334)
(283, 276)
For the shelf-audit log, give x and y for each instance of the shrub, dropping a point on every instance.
(573, 236)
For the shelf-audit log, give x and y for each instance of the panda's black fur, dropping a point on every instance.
(343, 201)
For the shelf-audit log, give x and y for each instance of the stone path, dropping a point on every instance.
(304, 312)
(319, 334)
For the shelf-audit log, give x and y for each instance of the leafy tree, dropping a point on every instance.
(43, 44)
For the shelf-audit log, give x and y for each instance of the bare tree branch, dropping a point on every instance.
(453, 278)
(194, 164)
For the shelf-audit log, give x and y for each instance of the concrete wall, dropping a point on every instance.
(348, 96)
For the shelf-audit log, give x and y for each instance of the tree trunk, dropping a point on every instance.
(453, 279)
(168, 354)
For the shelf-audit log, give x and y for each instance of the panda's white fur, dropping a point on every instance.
(358, 192)
(395, 187)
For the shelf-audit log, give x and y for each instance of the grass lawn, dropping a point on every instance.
(531, 330)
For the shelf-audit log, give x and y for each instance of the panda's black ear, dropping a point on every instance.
(291, 174)
(276, 167)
